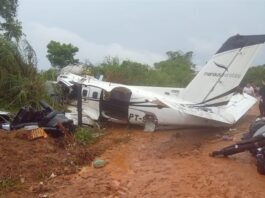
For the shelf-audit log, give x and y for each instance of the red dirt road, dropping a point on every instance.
(167, 164)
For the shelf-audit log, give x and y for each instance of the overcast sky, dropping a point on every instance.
(139, 30)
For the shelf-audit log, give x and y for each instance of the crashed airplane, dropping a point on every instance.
(210, 100)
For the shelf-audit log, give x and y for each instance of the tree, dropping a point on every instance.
(10, 27)
(61, 55)
(126, 72)
(50, 74)
(176, 70)
(134, 73)
(254, 75)
(110, 69)
(20, 83)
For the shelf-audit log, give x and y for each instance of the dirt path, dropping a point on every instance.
(167, 164)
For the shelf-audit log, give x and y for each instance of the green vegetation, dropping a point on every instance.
(254, 75)
(50, 74)
(84, 136)
(20, 83)
(10, 27)
(61, 55)
(6, 183)
(177, 70)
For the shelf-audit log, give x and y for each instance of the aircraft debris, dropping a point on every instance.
(253, 141)
(22, 180)
(4, 120)
(75, 69)
(98, 163)
(43, 195)
(37, 133)
(227, 138)
(52, 176)
(40, 122)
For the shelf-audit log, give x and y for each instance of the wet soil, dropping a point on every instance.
(169, 164)
(160, 164)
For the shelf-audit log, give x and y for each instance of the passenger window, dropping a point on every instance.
(95, 95)
(84, 93)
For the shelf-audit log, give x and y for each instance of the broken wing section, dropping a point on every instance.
(238, 106)
(69, 79)
(204, 113)
(226, 115)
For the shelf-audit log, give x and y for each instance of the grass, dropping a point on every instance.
(84, 136)
(6, 183)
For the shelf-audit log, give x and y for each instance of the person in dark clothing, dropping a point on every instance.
(262, 99)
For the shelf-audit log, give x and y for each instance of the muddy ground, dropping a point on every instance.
(161, 164)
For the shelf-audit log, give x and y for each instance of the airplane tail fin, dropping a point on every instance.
(220, 77)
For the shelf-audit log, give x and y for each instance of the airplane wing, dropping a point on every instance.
(238, 105)
(201, 112)
(228, 114)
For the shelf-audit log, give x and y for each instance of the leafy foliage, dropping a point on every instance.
(6, 183)
(175, 71)
(9, 25)
(61, 55)
(84, 136)
(20, 83)
(254, 75)
(50, 74)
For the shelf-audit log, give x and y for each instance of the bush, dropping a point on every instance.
(84, 136)
(20, 84)
(6, 183)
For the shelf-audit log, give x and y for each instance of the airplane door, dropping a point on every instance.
(90, 106)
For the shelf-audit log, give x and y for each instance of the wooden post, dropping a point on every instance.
(79, 105)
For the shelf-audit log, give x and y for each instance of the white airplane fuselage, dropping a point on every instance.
(210, 99)
(143, 106)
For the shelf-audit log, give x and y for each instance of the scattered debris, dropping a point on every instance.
(38, 122)
(22, 180)
(37, 133)
(98, 163)
(52, 176)
(4, 120)
(43, 195)
(227, 138)
(253, 141)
